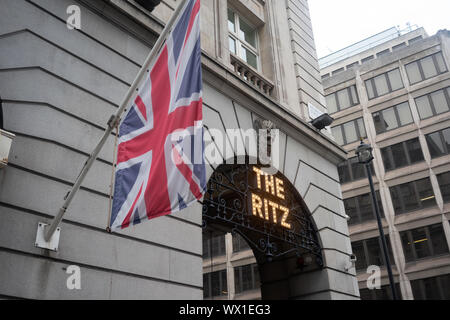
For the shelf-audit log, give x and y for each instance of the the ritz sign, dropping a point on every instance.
(265, 206)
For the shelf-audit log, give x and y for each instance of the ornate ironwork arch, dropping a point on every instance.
(238, 201)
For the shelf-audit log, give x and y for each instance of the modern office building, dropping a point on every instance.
(66, 65)
(393, 91)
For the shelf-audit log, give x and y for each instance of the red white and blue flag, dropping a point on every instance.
(160, 159)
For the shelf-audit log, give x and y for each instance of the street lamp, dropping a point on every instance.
(365, 156)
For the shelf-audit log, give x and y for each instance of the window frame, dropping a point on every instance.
(358, 219)
(444, 144)
(420, 67)
(388, 82)
(418, 203)
(397, 118)
(358, 133)
(368, 259)
(238, 280)
(412, 243)
(440, 182)
(406, 154)
(430, 101)
(238, 41)
(350, 96)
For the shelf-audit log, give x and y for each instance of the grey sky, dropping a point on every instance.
(339, 23)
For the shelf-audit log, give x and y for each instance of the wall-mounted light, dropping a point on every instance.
(322, 122)
(6, 139)
(150, 5)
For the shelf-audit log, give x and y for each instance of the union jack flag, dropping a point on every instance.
(160, 162)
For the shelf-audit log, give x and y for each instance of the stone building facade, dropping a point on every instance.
(395, 94)
(60, 85)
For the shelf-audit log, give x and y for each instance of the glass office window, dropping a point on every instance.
(402, 154)
(360, 210)
(444, 185)
(412, 196)
(213, 247)
(342, 99)
(369, 252)
(426, 68)
(433, 104)
(439, 143)
(215, 284)
(435, 288)
(392, 118)
(349, 132)
(352, 170)
(424, 242)
(384, 84)
(246, 278)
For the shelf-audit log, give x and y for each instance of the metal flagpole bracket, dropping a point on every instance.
(51, 244)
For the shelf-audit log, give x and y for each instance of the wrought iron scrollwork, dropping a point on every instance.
(227, 205)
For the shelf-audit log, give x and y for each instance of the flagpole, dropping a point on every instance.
(113, 122)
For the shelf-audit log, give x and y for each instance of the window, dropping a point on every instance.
(424, 242)
(426, 68)
(382, 53)
(436, 288)
(360, 210)
(239, 244)
(402, 154)
(342, 99)
(243, 39)
(392, 118)
(434, 103)
(444, 185)
(367, 59)
(215, 284)
(439, 143)
(213, 247)
(399, 46)
(349, 132)
(369, 252)
(246, 278)
(412, 196)
(352, 170)
(384, 83)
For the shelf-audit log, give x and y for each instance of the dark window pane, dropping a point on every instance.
(206, 285)
(446, 136)
(366, 294)
(385, 154)
(396, 199)
(351, 211)
(247, 283)
(438, 239)
(431, 289)
(374, 252)
(407, 246)
(444, 185)
(370, 89)
(421, 243)
(365, 207)
(414, 150)
(445, 283)
(379, 124)
(435, 145)
(344, 172)
(409, 197)
(362, 128)
(426, 194)
(358, 169)
(398, 154)
(358, 251)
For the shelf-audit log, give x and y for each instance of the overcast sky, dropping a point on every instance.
(339, 23)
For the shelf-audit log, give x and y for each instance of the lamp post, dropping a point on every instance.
(364, 154)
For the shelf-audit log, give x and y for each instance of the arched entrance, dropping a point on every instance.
(267, 211)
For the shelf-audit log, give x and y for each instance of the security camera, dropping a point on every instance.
(347, 217)
(352, 260)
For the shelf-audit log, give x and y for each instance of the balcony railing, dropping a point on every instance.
(251, 76)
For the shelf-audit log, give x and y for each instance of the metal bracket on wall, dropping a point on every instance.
(52, 244)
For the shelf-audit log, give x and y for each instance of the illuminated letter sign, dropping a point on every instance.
(268, 204)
